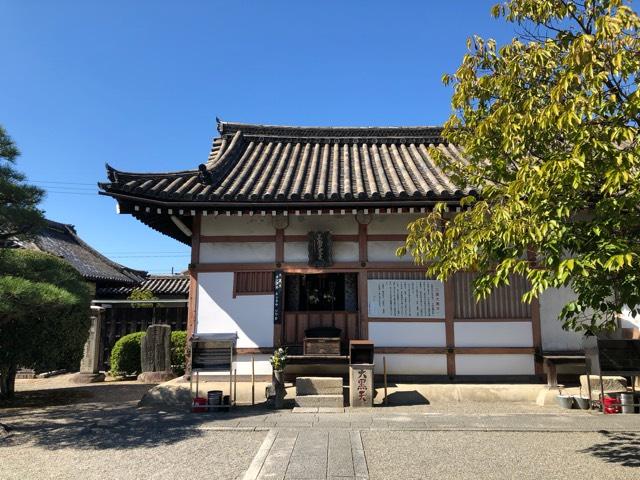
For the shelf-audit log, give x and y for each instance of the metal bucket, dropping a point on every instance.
(583, 403)
(565, 401)
(627, 401)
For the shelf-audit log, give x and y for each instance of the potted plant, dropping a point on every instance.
(279, 362)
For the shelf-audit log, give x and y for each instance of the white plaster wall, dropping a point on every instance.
(238, 252)
(410, 364)
(493, 334)
(250, 316)
(235, 225)
(390, 223)
(627, 320)
(296, 252)
(407, 334)
(243, 366)
(336, 224)
(494, 365)
(385, 252)
(553, 336)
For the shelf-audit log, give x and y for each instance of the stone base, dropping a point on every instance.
(610, 383)
(87, 378)
(547, 396)
(172, 395)
(155, 377)
(316, 401)
(318, 386)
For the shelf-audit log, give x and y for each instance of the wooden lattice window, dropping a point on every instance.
(252, 283)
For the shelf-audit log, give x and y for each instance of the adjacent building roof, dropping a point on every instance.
(160, 285)
(61, 240)
(263, 167)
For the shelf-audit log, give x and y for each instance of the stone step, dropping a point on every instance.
(318, 386)
(319, 401)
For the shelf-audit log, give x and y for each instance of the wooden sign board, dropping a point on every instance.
(405, 298)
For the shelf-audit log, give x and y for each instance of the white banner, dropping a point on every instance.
(405, 298)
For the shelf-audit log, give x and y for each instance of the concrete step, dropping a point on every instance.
(319, 401)
(318, 386)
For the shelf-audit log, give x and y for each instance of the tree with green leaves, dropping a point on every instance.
(548, 125)
(141, 294)
(19, 212)
(44, 314)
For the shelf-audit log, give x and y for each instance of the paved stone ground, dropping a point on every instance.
(102, 434)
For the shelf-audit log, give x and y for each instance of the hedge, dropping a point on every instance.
(125, 355)
(126, 359)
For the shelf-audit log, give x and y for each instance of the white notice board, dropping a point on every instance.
(405, 298)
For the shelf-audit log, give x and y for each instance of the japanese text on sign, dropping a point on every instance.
(406, 298)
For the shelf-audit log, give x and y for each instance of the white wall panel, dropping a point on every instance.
(235, 225)
(493, 334)
(243, 366)
(410, 364)
(251, 316)
(494, 364)
(386, 252)
(390, 223)
(295, 252)
(553, 336)
(336, 224)
(238, 252)
(407, 334)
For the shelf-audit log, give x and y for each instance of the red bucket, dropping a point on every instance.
(195, 406)
(611, 404)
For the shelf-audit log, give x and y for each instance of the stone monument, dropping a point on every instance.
(89, 365)
(361, 385)
(155, 354)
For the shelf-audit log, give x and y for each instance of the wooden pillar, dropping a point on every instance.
(193, 286)
(449, 314)
(279, 246)
(536, 328)
(363, 313)
(362, 244)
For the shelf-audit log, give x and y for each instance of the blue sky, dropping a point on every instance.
(138, 84)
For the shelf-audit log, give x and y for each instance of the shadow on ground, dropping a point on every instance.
(407, 398)
(620, 448)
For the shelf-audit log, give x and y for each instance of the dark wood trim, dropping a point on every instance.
(255, 350)
(237, 238)
(363, 305)
(387, 237)
(536, 329)
(412, 350)
(304, 268)
(362, 244)
(490, 320)
(494, 350)
(335, 238)
(405, 320)
(279, 239)
(458, 350)
(193, 285)
(449, 313)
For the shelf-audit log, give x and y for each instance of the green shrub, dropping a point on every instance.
(178, 346)
(125, 355)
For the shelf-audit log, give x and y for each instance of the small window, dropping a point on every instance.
(252, 283)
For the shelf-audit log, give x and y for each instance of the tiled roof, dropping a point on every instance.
(259, 164)
(158, 284)
(61, 240)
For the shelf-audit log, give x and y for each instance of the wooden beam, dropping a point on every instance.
(491, 320)
(416, 320)
(412, 350)
(335, 238)
(387, 237)
(237, 238)
(449, 314)
(362, 244)
(252, 351)
(458, 350)
(279, 239)
(363, 306)
(193, 285)
(536, 329)
(305, 268)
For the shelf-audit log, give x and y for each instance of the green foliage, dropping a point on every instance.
(178, 347)
(126, 355)
(44, 313)
(279, 359)
(142, 294)
(549, 125)
(19, 212)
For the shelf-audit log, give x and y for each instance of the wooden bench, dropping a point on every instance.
(552, 359)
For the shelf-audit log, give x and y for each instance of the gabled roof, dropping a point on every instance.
(264, 165)
(158, 284)
(61, 240)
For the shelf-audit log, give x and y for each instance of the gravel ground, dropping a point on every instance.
(497, 455)
(214, 455)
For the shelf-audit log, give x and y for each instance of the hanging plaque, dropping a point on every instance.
(405, 298)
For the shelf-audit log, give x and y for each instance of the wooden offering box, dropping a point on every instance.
(321, 346)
